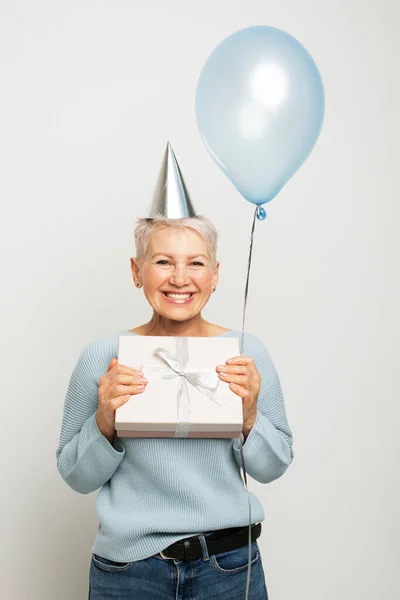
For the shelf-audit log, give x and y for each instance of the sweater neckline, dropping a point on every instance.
(227, 333)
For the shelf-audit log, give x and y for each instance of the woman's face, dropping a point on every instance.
(177, 274)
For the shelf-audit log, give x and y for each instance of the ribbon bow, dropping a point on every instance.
(206, 381)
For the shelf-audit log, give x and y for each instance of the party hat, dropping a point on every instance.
(171, 198)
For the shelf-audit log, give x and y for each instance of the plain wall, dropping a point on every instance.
(90, 93)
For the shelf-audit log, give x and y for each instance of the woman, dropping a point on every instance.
(173, 513)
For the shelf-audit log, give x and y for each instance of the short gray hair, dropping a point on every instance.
(145, 227)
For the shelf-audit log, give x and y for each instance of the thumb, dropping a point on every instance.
(114, 361)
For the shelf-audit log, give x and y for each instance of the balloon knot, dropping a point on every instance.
(261, 213)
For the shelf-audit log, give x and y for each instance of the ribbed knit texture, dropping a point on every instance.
(155, 491)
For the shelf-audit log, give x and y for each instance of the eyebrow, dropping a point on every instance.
(170, 255)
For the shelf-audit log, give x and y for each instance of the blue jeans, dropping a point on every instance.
(215, 577)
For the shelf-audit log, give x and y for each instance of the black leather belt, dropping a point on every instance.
(219, 541)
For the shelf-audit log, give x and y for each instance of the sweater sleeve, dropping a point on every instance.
(85, 458)
(267, 450)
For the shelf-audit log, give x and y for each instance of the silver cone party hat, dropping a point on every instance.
(171, 198)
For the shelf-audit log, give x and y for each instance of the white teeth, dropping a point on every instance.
(178, 296)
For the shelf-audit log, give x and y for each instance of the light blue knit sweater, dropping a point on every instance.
(155, 491)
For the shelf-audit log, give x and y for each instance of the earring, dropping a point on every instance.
(138, 284)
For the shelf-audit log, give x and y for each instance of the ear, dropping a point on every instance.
(215, 275)
(135, 272)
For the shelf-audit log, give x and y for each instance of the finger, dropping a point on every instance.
(236, 369)
(120, 401)
(239, 379)
(137, 389)
(247, 362)
(114, 372)
(240, 391)
(124, 379)
(123, 369)
(122, 390)
(112, 364)
(240, 360)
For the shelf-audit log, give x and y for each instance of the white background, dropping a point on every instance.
(90, 93)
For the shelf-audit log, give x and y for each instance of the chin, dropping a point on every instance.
(176, 314)
(174, 317)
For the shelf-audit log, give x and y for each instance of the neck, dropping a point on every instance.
(160, 326)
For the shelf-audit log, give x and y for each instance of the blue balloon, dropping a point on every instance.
(259, 108)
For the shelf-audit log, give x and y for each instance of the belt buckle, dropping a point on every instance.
(166, 557)
(186, 542)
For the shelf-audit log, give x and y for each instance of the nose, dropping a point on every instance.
(180, 276)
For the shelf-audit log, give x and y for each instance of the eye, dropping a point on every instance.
(162, 262)
(197, 263)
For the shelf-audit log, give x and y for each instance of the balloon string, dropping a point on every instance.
(247, 280)
(246, 291)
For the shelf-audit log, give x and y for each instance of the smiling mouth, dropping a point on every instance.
(178, 296)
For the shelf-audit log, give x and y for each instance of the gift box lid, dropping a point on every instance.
(158, 403)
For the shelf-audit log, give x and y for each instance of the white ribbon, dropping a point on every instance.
(204, 380)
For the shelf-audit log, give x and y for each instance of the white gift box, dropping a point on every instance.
(184, 396)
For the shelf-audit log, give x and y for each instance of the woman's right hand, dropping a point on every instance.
(115, 389)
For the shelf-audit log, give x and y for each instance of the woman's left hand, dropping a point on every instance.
(244, 379)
